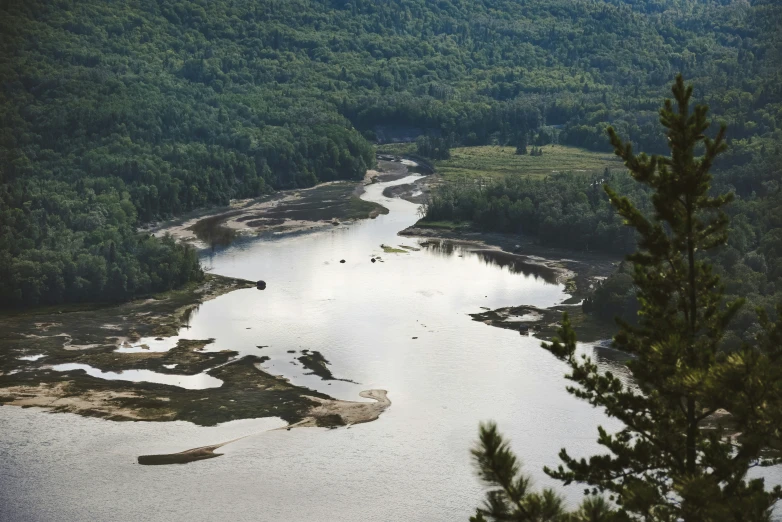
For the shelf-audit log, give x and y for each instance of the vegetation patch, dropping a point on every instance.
(285, 212)
(397, 149)
(544, 323)
(90, 335)
(246, 392)
(444, 225)
(212, 231)
(493, 161)
(361, 209)
(392, 250)
(43, 330)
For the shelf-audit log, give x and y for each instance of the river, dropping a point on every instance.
(400, 325)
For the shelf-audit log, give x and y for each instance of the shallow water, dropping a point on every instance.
(190, 382)
(399, 325)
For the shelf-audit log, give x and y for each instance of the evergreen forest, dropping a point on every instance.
(117, 114)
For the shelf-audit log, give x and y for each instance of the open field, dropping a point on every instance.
(492, 161)
(495, 161)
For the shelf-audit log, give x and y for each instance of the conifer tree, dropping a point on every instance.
(674, 459)
(511, 496)
(521, 147)
(664, 464)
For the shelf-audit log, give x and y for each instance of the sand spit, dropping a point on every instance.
(183, 457)
(333, 412)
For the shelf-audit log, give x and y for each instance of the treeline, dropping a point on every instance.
(563, 210)
(495, 68)
(433, 147)
(185, 103)
(59, 244)
(669, 438)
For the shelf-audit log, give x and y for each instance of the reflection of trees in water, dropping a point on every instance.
(444, 248)
(614, 361)
(220, 237)
(212, 232)
(518, 266)
(514, 263)
(189, 314)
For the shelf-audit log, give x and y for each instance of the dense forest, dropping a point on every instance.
(115, 114)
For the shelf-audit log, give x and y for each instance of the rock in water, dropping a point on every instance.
(261, 285)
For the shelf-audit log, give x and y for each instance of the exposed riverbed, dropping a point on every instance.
(399, 324)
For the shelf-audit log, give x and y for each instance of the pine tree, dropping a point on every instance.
(665, 465)
(511, 497)
(521, 148)
(696, 419)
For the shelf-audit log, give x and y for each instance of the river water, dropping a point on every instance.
(400, 325)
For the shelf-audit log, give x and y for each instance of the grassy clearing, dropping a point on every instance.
(495, 161)
(491, 161)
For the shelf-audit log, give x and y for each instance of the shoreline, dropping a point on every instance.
(283, 213)
(89, 336)
(262, 217)
(580, 272)
(36, 341)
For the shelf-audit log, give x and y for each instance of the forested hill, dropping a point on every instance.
(115, 113)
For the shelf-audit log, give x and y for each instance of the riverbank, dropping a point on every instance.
(580, 272)
(75, 358)
(416, 192)
(290, 211)
(287, 212)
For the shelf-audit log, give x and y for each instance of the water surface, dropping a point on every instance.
(400, 325)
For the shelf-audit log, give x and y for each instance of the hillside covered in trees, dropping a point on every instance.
(115, 114)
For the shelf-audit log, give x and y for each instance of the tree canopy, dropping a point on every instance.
(172, 105)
